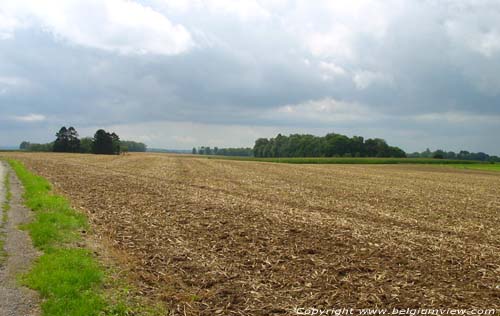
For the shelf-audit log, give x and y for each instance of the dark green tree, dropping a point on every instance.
(86, 145)
(73, 141)
(331, 145)
(61, 144)
(102, 143)
(116, 143)
(24, 145)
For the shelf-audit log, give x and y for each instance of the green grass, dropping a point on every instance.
(487, 167)
(4, 217)
(335, 160)
(68, 278)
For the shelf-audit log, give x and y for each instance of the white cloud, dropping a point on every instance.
(8, 25)
(456, 117)
(335, 42)
(477, 30)
(326, 110)
(189, 134)
(12, 81)
(30, 118)
(245, 10)
(120, 26)
(364, 79)
(331, 70)
(183, 139)
(334, 28)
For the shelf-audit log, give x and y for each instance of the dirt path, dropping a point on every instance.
(16, 300)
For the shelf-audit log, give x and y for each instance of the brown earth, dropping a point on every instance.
(225, 237)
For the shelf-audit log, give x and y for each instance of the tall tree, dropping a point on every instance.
(73, 141)
(115, 140)
(61, 144)
(103, 143)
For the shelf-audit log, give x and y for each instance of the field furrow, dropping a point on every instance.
(213, 236)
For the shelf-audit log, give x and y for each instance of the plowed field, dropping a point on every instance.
(212, 237)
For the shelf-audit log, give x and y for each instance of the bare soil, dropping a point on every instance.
(210, 237)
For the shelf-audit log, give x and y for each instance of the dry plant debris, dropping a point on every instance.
(212, 237)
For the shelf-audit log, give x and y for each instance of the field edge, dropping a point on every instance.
(68, 275)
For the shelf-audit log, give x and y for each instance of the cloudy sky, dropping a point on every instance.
(184, 73)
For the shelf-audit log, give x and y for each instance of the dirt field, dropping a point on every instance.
(215, 237)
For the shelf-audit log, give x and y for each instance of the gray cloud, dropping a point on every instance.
(186, 73)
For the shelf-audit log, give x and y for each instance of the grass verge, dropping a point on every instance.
(67, 277)
(4, 215)
(348, 160)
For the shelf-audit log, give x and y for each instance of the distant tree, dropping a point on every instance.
(462, 155)
(86, 145)
(39, 147)
(194, 152)
(115, 140)
(24, 145)
(73, 141)
(451, 155)
(67, 140)
(133, 146)
(426, 154)
(439, 154)
(396, 152)
(331, 145)
(260, 147)
(102, 143)
(61, 144)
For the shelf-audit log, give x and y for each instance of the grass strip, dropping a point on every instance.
(487, 167)
(349, 160)
(4, 217)
(67, 277)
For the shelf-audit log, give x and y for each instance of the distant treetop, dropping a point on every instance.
(67, 141)
(330, 145)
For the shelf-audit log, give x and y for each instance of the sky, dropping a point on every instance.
(185, 73)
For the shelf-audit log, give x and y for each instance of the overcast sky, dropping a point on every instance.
(184, 73)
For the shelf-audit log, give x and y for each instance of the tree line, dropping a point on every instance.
(330, 145)
(67, 140)
(241, 152)
(461, 155)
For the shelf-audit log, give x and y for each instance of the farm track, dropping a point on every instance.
(246, 238)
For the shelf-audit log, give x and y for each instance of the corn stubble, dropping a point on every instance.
(245, 238)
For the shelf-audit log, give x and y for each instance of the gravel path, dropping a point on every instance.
(14, 299)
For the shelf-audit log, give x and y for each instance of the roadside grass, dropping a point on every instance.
(4, 217)
(349, 160)
(68, 277)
